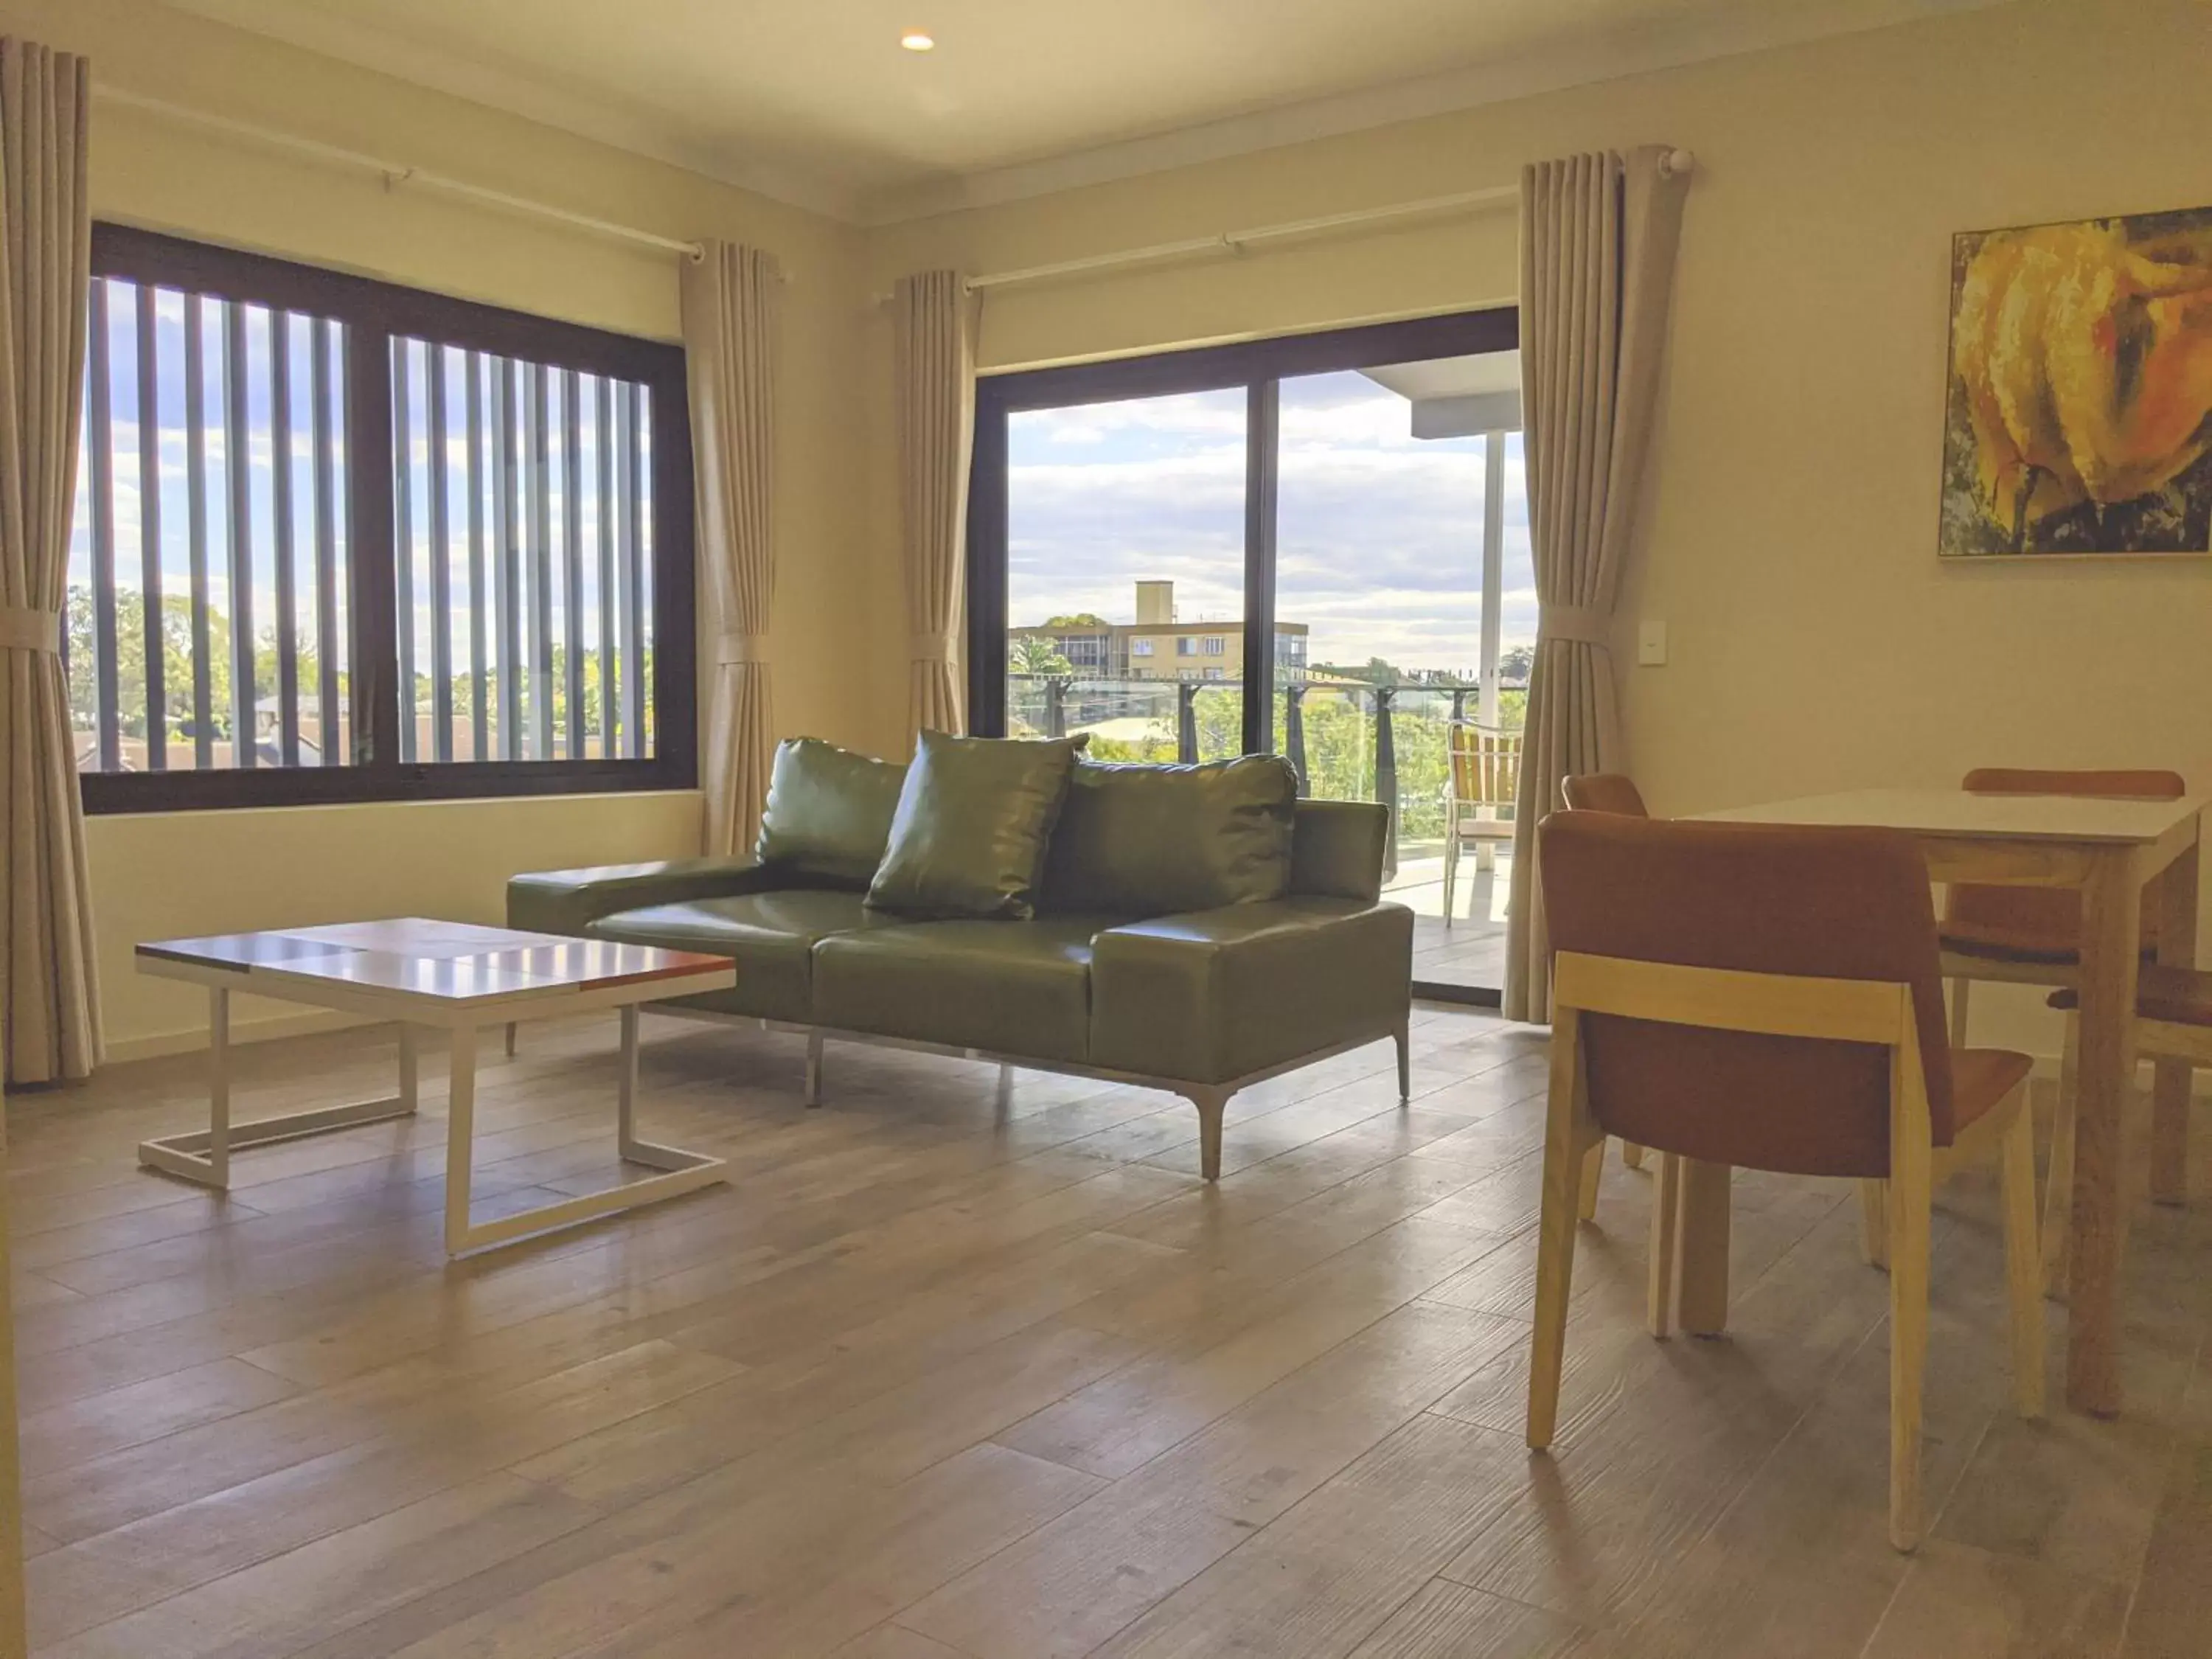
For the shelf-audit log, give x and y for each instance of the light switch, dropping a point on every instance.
(1651, 644)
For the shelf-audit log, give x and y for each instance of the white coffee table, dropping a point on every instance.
(444, 975)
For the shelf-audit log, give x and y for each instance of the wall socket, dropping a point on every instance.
(1651, 644)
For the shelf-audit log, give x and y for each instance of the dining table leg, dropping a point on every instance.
(2110, 941)
(2172, 1079)
(1703, 1298)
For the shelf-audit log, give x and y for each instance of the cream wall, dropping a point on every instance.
(1816, 643)
(183, 873)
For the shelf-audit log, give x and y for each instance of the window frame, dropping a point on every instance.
(1260, 366)
(375, 312)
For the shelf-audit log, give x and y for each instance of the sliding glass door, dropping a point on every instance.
(1316, 546)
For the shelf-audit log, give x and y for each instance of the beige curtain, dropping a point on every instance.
(729, 339)
(936, 351)
(1598, 234)
(51, 986)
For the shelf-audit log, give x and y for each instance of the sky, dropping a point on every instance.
(1378, 533)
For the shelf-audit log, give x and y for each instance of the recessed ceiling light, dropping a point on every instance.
(916, 40)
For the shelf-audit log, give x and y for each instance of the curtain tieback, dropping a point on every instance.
(930, 647)
(1583, 624)
(742, 648)
(22, 629)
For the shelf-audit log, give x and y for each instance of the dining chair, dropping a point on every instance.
(1767, 997)
(2173, 1021)
(1485, 767)
(1616, 792)
(1604, 792)
(2032, 935)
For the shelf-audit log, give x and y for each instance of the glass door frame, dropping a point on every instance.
(1258, 366)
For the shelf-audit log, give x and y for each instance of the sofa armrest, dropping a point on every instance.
(1337, 848)
(566, 901)
(1214, 996)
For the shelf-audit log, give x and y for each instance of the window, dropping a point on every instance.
(1140, 647)
(339, 540)
(1343, 514)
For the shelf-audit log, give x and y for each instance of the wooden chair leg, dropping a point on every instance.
(2058, 1181)
(2169, 1136)
(1586, 1193)
(2023, 1262)
(1958, 988)
(1873, 1221)
(1909, 1206)
(1666, 1244)
(1632, 1155)
(1570, 1140)
(1451, 865)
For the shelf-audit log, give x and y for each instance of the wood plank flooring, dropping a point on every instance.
(950, 1374)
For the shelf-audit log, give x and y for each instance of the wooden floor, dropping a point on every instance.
(944, 1375)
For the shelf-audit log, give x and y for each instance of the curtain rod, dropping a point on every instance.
(395, 174)
(1674, 162)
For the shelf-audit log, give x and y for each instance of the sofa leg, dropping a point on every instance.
(1004, 1100)
(1210, 1103)
(814, 1068)
(1403, 1037)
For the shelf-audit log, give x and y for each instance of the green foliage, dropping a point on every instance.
(1033, 653)
(1078, 619)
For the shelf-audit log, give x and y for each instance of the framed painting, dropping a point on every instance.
(2078, 410)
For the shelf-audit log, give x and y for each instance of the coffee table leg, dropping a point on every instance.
(460, 1134)
(218, 1144)
(676, 1170)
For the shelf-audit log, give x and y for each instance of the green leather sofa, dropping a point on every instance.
(1201, 1002)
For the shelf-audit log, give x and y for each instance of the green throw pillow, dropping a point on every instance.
(1157, 840)
(973, 822)
(829, 812)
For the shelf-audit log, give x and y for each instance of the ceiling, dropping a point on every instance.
(814, 101)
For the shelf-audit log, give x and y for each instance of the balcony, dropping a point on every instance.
(1347, 741)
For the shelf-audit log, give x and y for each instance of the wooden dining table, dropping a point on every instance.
(2107, 849)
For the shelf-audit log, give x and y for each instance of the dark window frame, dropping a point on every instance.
(375, 312)
(1258, 366)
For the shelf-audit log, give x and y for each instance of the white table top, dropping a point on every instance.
(443, 962)
(1953, 812)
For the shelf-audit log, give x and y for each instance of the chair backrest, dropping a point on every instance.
(1486, 765)
(2048, 920)
(1759, 899)
(1604, 792)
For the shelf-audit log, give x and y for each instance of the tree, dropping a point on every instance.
(1033, 653)
(1078, 619)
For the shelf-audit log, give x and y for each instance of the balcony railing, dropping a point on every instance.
(1386, 742)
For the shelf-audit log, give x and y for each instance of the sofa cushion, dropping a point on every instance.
(974, 818)
(828, 811)
(1149, 841)
(771, 936)
(1011, 987)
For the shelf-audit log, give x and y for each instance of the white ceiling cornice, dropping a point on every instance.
(1762, 29)
(589, 113)
(643, 131)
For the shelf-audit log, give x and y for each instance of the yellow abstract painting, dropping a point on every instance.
(2078, 414)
